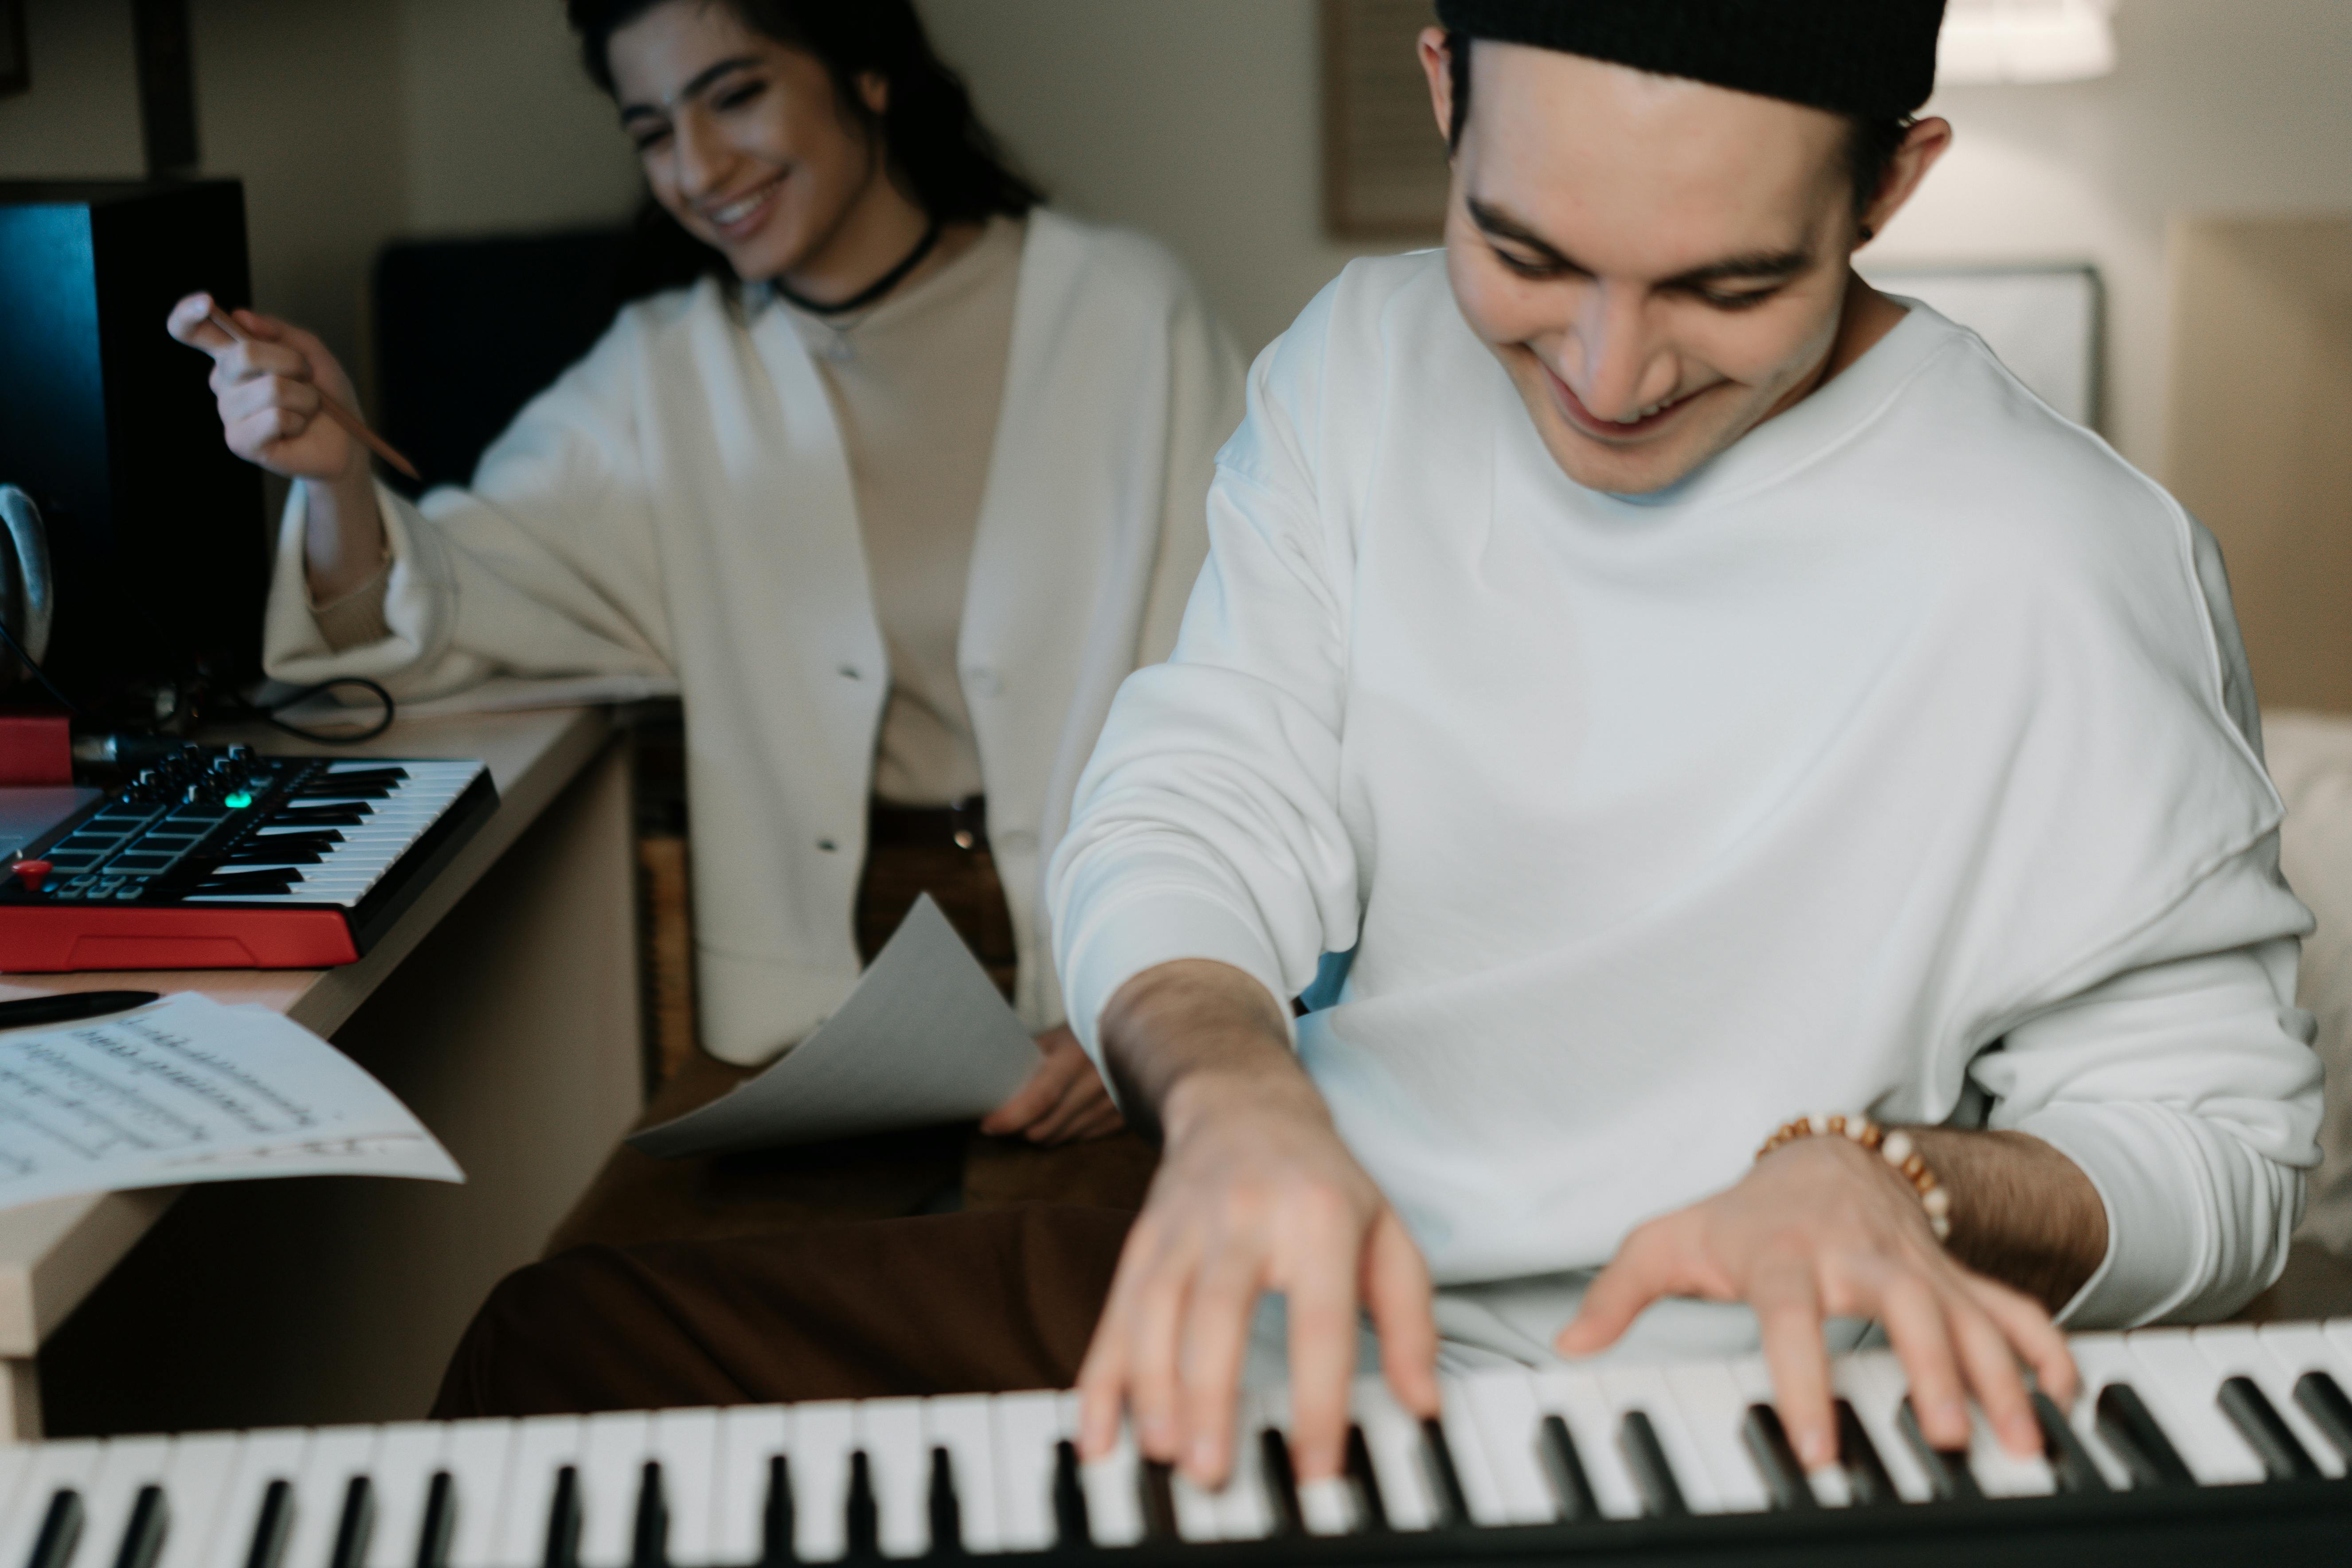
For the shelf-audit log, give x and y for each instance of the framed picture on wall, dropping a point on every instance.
(2047, 323)
(15, 75)
(1384, 170)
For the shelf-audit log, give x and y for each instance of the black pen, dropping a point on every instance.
(67, 1007)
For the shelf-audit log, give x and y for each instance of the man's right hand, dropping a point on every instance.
(1255, 1193)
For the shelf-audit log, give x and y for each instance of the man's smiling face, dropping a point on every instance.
(1660, 265)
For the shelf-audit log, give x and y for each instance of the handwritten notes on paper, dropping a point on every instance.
(191, 1090)
(924, 1038)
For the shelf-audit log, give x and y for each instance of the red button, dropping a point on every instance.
(32, 873)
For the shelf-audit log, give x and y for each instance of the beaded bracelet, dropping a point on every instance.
(1901, 1154)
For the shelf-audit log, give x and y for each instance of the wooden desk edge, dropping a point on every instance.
(54, 1253)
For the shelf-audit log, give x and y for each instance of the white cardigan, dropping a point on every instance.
(679, 503)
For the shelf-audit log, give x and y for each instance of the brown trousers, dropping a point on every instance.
(818, 1271)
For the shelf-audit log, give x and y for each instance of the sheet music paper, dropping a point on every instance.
(190, 1090)
(924, 1038)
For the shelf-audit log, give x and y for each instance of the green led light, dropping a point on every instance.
(237, 802)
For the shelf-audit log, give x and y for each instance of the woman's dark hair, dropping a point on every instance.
(1870, 147)
(935, 142)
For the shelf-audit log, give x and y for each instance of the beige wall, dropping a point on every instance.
(2263, 397)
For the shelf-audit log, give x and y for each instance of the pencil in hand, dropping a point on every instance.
(333, 409)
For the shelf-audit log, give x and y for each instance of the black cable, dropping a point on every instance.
(38, 673)
(269, 715)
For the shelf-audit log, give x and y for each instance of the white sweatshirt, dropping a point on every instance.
(1903, 760)
(680, 503)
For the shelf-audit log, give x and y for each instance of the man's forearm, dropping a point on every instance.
(1180, 1033)
(2021, 1212)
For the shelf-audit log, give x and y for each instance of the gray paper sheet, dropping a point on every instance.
(924, 1038)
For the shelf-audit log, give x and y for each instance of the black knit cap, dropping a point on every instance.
(1875, 58)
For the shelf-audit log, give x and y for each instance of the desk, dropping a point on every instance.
(502, 1007)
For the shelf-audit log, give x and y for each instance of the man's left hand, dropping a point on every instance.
(1821, 1229)
(1063, 1101)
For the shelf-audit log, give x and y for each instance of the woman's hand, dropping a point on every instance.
(1821, 1229)
(267, 390)
(1063, 1101)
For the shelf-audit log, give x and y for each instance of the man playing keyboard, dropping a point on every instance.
(1718, 708)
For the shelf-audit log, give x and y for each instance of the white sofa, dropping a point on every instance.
(2311, 759)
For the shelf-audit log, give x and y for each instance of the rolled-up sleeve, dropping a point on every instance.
(2187, 1092)
(1207, 824)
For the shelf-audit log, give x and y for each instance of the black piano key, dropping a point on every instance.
(2265, 1432)
(2131, 1434)
(142, 1538)
(2322, 1398)
(1072, 1530)
(649, 1529)
(1156, 1478)
(1281, 1482)
(1445, 1481)
(276, 858)
(2070, 1464)
(861, 1516)
(946, 1507)
(776, 1546)
(1949, 1475)
(351, 783)
(248, 884)
(272, 1526)
(440, 1522)
(341, 791)
(355, 1525)
(1865, 1472)
(1767, 1441)
(1563, 1468)
(60, 1531)
(320, 816)
(1371, 1510)
(563, 1549)
(1645, 1459)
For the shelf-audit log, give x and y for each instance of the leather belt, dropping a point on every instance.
(964, 825)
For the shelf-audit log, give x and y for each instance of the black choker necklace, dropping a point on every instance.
(865, 297)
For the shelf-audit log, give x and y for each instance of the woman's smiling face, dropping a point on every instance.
(744, 140)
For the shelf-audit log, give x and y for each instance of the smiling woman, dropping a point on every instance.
(897, 482)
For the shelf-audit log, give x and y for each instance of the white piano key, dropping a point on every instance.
(1394, 1438)
(685, 1443)
(2339, 1336)
(959, 1423)
(1872, 1382)
(1643, 1388)
(1327, 1507)
(479, 1457)
(2001, 1473)
(613, 1454)
(1754, 1380)
(899, 1461)
(406, 1456)
(2100, 1359)
(1024, 1428)
(748, 1436)
(16, 1462)
(53, 1467)
(1113, 1485)
(1245, 1510)
(129, 1465)
(1575, 1397)
(2295, 1349)
(2238, 1349)
(335, 1455)
(543, 1445)
(1479, 1487)
(197, 1481)
(822, 1435)
(1196, 1511)
(1502, 1404)
(1713, 1409)
(2178, 1386)
(273, 1455)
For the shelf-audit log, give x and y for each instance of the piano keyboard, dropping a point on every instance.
(224, 858)
(2182, 1438)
